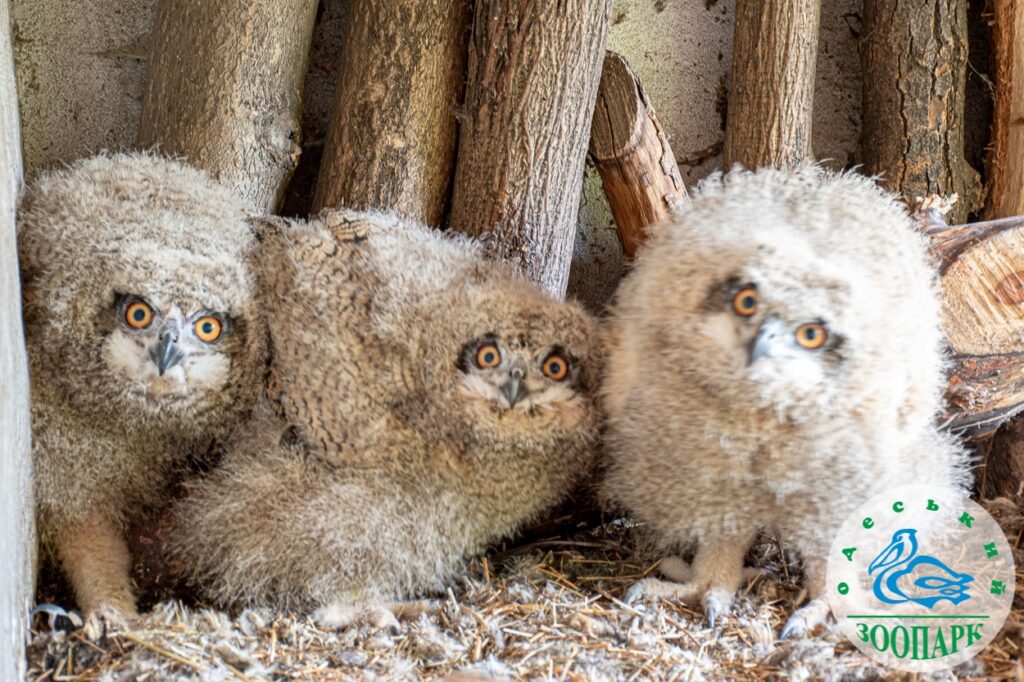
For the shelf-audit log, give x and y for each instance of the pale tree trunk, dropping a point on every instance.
(533, 71)
(224, 89)
(1006, 154)
(771, 99)
(632, 155)
(391, 141)
(914, 62)
(17, 539)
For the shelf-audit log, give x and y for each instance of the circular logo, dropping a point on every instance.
(919, 579)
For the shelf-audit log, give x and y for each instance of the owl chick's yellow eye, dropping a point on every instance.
(812, 335)
(556, 367)
(744, 303)
(488, 356)
(208, 328)
(138, 315)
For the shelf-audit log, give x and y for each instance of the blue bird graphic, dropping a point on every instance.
(899, 569)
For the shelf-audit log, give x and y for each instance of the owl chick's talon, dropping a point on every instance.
(54, 615)
(805, 619)
(635, 593)
(795, 628)
(716, 604)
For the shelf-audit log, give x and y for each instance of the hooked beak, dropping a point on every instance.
(166, 353)
(768, 335)
(514, 389)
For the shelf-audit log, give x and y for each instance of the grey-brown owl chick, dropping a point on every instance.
(774, 360)
(433, 402)
(144, 342)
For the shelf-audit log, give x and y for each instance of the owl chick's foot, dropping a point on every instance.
(342, 615)
(674, 568)
(107, 619)
(805, 619)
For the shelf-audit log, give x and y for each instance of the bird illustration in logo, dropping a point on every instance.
(929, 580)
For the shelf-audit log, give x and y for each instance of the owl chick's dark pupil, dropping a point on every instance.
(555, 368)
(488, 357)
(139, 315)
(207, 327)
(748, 302)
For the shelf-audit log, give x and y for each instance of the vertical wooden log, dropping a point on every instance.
(17, 539)
(1006, 154)
(533, 72)
(771, 100)
(391, 141)
(632, 155)
(914, 61)
(224, 89)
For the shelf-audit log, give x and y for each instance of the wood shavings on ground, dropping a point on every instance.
(548, 610)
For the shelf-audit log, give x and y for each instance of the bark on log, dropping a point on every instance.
(533, 72)
(224, 89)
(391, 142)
(17, 540)
(914, 63)
(1006, 154)
(771, 99)
(631, 152)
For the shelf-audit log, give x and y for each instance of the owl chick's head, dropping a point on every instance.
(523, 366)
(138, 299)
(804, 292)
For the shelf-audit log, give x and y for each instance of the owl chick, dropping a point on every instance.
(144, 342)
(774, 360)
(429, 403)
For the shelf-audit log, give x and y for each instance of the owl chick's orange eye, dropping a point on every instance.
(488, 356)
(744, 303)
(812, 335)
(208, 328)
(556, 367)
(138, 315)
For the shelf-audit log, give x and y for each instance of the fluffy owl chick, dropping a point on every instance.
(144, 342)
(774, 360)
(432, 402)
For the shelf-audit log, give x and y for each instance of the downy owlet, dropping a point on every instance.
(774, 360)
(428, 403)
(144, 343)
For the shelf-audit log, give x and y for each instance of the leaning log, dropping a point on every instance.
(632, 155)
(532, 75)
(391, 138)
(914, 64)
(224, 88)
(771, 99)
(17, 540)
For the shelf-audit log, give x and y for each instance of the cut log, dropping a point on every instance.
(632, 155)
(224, 89)
(981, 266)
(1006, 153)
(914, 64)
(771, 99)
(532, 76)
(17, 540)
(391, 141)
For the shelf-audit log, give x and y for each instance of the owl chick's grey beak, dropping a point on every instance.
(514, 389)
(770, 335)
(166, 353)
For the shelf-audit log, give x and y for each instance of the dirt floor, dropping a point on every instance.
(550, 609)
